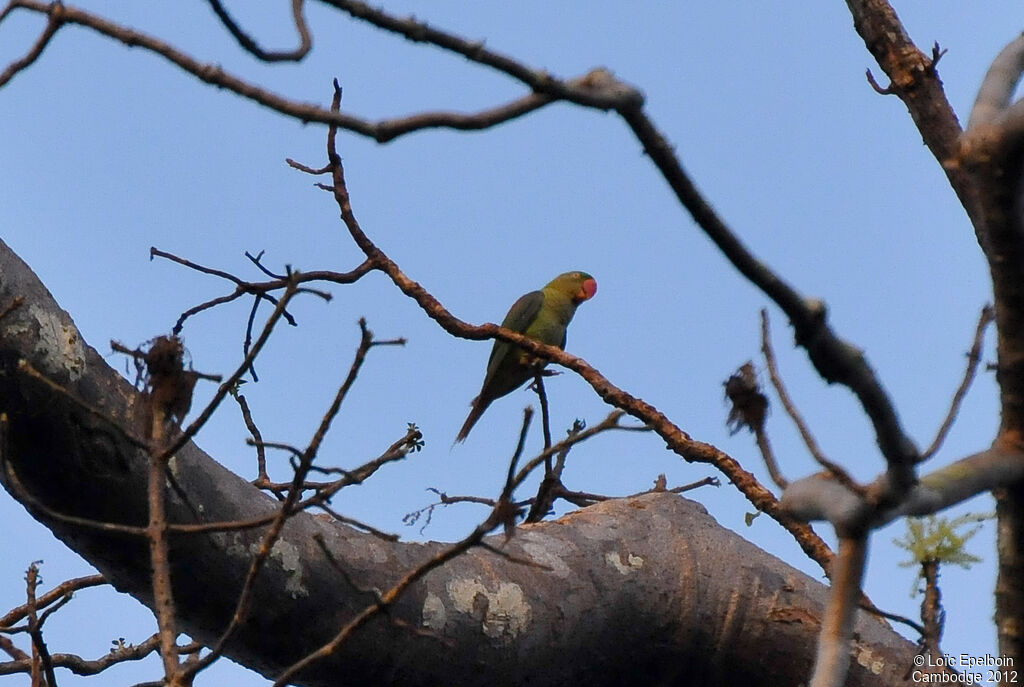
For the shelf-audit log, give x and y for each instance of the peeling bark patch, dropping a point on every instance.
(434, 614)
(288, 555)
(866, 658)
(793, 615)
(630, 565)
(58, 347)
(540, 553)
(503, 613)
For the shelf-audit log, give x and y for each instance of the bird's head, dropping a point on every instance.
(579, 286)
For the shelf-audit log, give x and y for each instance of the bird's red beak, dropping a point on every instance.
(587, 291)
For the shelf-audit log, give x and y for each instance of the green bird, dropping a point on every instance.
(542, 315)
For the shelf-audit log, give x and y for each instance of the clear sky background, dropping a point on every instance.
(108, 151)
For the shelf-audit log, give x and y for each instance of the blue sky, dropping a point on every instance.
(111, 150)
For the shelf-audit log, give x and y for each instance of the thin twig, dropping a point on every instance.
(19, 656)
(257, 437)
(40, 653)
(159, 549)
(550, 483)
(888, 90)
(63, 590)
(787, 403)
(80, 666)
(595, 498)
(499, 515)
(358, 524)
(932, 615)
(288, 507)
(538, 386)
(988, 314)
(253, 48)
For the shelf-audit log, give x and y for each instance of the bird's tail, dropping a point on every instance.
(479, 406)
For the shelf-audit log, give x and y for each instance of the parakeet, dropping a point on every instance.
(542, 315)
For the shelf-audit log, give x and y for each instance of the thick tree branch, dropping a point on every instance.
(820, 497)
(996, 91)
(913, 79)
(542, 626)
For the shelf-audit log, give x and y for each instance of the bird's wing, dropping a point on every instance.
(520, 316)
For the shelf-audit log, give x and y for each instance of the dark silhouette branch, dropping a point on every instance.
(253, 48)
(836, 360)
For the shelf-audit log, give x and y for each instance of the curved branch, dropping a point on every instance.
(676, 439)
(598, 89)
(998, 86)
(389, 129)
(594, 89)
(836, 360)
(253, 48)
(973, 360)
(52, 24)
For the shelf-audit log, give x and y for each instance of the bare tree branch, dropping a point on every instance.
(53, 23)
(914, 80)
(63, 590)
(836, 360)
(819, 497)
(676, 439)
(973, 360)
(253, 48)
(794, 414)
(997, 88)
(833, 659)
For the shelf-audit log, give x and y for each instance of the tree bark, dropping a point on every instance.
(647, 590)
